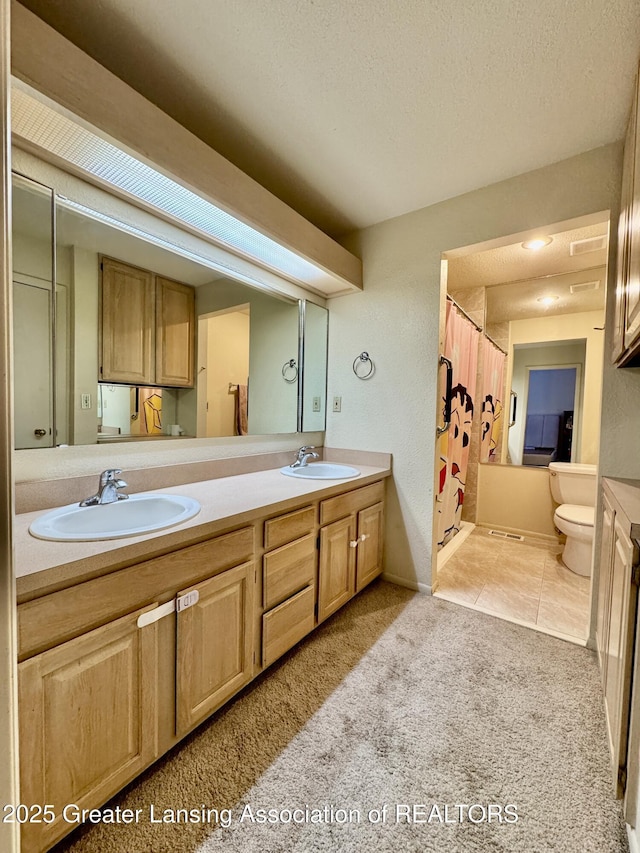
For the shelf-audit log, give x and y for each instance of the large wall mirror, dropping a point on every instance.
(140, 341)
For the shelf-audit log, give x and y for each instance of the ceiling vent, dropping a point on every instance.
(581, 288)
(592, 244)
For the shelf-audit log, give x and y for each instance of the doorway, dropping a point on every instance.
(546, 313)
(223, 371)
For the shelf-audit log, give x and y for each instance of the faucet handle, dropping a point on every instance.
(109, 476)
(306, 448)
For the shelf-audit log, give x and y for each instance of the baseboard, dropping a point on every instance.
(632, 837)
(408, 584)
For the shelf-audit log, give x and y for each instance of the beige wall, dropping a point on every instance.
(516, 499)
(397, 320)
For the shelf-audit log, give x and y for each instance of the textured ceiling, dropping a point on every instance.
(516, 277)
(356, 112)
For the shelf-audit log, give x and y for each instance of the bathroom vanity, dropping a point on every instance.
(126, 645)
(619, 568)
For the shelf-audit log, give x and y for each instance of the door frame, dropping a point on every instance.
(9, 833)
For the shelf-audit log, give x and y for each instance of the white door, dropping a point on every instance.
(32, 364)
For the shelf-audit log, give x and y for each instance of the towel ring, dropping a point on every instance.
(290, 365)
(363, 358)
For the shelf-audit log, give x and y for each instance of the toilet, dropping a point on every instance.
(573, 486)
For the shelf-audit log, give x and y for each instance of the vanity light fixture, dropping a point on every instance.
(547, 300)
(41, 125)
(537, 243)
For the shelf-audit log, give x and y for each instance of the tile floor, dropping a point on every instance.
(525, 581)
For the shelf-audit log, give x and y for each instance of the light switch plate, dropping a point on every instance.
(316, 404)
(337, 404)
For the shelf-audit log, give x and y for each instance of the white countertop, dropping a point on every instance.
(43, 566)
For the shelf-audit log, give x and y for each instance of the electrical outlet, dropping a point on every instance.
(337, 404)
(85, 401)
(316, 404)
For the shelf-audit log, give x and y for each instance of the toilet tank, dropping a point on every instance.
(573, 483)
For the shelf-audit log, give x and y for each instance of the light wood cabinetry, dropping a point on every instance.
(626, 339)
(115, 670)
(127, 336)
(288, 582)
(350, 546)
(214, 645)
(175, 333)
(615, 628)
(147, 329)
(88, 712)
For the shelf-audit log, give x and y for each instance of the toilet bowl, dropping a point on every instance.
(573, 486)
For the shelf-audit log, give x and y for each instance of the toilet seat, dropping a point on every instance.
(582, 515)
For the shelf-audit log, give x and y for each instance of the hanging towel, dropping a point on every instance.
(242, 410)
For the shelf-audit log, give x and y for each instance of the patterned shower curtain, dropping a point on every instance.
(492, 402)
(461, 348)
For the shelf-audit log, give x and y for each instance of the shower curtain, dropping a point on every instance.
(492, 402)
(461, 348)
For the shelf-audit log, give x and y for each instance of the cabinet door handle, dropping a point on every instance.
(354, 543)
(364, 537)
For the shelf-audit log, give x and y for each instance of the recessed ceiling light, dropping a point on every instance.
(547, 300)
(536, 243)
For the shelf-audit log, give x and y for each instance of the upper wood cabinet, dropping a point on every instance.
(626, 339)
(147, 328)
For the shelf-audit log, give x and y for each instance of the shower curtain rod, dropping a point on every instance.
(473, 322)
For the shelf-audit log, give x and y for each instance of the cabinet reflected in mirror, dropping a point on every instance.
(181, 350)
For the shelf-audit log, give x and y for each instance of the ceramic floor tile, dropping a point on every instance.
(520, 580)
(557, 616)
(509, 603)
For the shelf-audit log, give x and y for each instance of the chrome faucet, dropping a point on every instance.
(304, 454)
(108, 489)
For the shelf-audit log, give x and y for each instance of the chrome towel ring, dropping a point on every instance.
(287, 367)
(363, 358)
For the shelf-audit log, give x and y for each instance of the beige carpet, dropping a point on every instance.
(400, 700)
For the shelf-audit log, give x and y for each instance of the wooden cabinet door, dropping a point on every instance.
(175, 333)
(88, 722)
(214, 655)
(127, 326)
(369, 551)
(604, 585)
(336, 576)
(619, 651)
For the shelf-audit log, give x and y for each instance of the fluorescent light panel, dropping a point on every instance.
(41, 125)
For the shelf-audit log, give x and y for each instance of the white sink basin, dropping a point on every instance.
(141, 513)
(321, 471)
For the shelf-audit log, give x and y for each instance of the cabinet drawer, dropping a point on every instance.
(45, 622)
(335, 508)
(283, 626)
(288, 569)
(286, 528)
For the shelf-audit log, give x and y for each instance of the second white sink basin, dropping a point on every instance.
(142, 513)
(321, 471)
